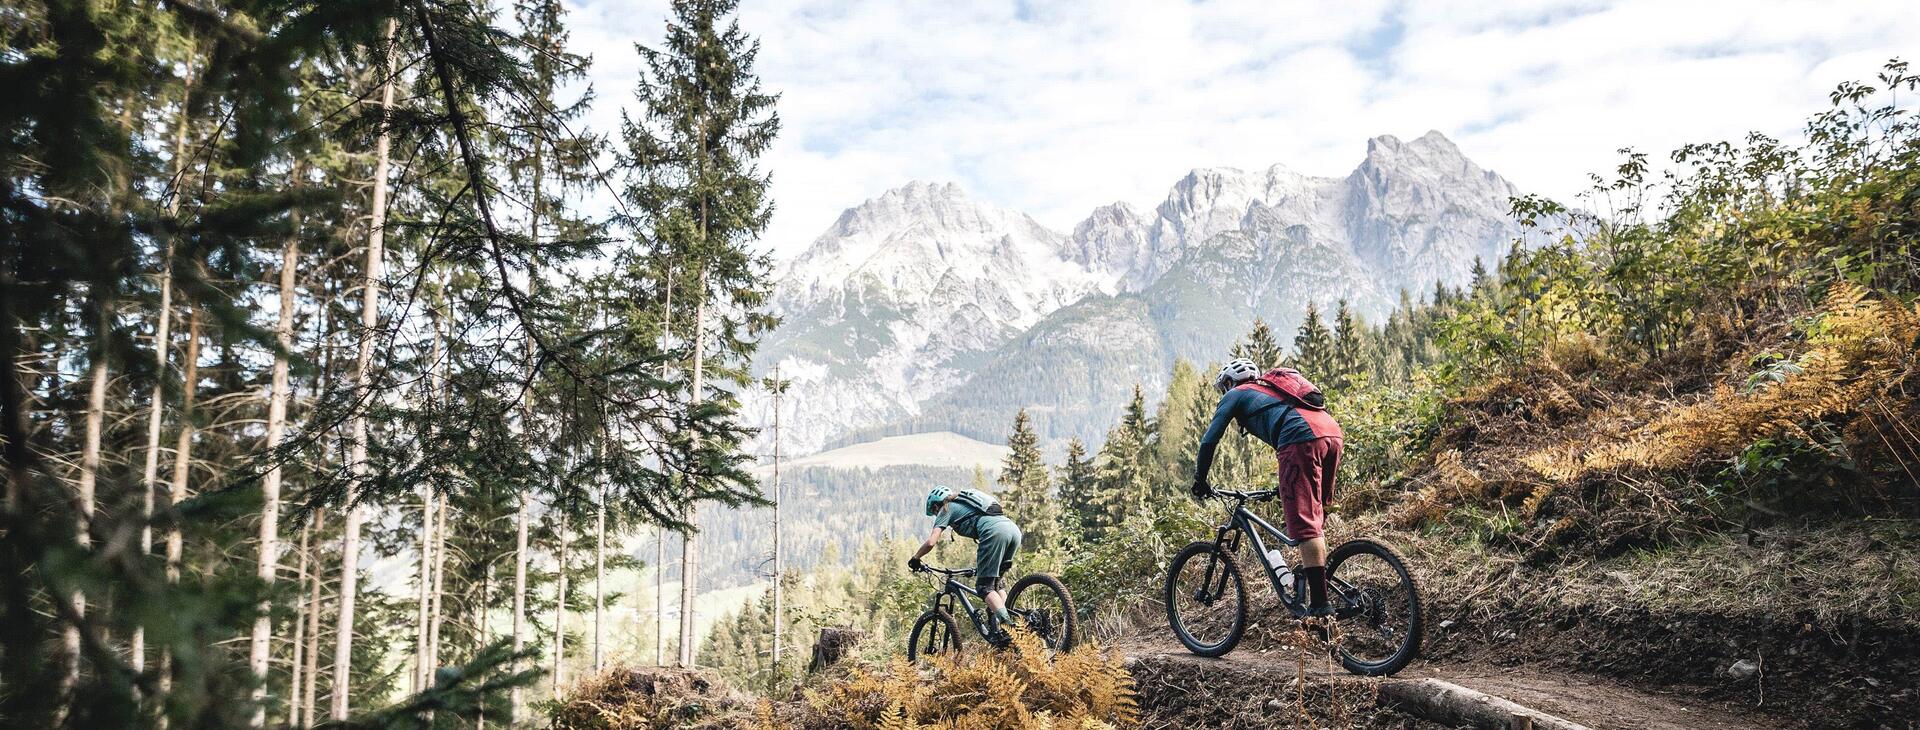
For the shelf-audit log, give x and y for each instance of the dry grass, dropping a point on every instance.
(1019, 688)
(1585, 453)
(1830, 573)
(1024, 687)
(635, 698)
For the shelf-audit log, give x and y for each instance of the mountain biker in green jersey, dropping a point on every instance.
(976, 514)
(1306, 442)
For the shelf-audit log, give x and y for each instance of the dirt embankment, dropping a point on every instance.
(1802, 673)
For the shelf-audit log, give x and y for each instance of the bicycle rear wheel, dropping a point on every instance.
(934, 633)
(1206, 599)
(1043, 605)
(1378, 602)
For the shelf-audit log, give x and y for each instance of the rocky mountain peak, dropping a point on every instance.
(922, 289)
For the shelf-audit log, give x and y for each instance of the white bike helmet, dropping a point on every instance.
(1238, 371)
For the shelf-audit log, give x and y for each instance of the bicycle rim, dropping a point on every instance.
(1380, 626)
(935, 633)
(1042, 604)
(1206, 599)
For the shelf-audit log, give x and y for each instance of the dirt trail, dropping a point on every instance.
(1591, 701)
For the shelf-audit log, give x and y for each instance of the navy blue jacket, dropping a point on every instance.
(1268, 418)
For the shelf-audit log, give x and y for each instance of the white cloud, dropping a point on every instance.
(1053, 108)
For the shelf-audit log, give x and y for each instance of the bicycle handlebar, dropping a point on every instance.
(1251, 496)
(961, 572)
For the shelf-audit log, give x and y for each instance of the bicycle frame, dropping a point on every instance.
(1243, 522)
(954, 594)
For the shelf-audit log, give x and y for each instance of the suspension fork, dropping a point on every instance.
(1226, 539)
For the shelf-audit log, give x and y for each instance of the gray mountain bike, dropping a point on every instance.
(1376, 600)
(1039, 602)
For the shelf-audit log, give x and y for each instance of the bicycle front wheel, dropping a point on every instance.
(1206, 599)
(934, 633)
(1044, 606)
(1378, 604)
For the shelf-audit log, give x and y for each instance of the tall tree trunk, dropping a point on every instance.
(660, 597)
(485, 635)
(182, 470)
(299, 664)
(689, 551)
(150, 469)
(84, 488)
(423, 582)
(660, 544)
(599, 575)
(362, 384)
(519, 599)
(423, 641)
(779, 566)
(436, 611)
(560, 608)
(310, 692)
(262, 642)
(521, 517)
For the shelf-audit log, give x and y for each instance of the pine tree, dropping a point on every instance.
(1078, 489)
(1125, 467)
(1023, 487)
(1181, 422)
(697, 188)
(1313, 352)
(1352, 357)
(1260, 346)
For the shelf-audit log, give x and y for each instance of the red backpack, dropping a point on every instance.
(1292, 388)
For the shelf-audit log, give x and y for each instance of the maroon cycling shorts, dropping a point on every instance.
(1307, 472)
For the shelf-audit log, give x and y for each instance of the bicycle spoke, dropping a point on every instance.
(1206, 599)
(1379, 605)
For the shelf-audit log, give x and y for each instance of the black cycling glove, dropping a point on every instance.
(914, 565)
(1201, 489)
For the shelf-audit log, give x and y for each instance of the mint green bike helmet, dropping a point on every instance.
(936, 496)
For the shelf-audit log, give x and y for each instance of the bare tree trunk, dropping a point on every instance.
(436, 611)
(486, 596)
(362, 382)
(150, 470)
(84, 488)
(423, 639)
(537, 174)
(519, 600)
(660, 545)
(309, 693)
(423, 576)
(689, 552)
(182, 468)
(262, 642)
(779, 566)
(599, 577)
(560, 610)
(660, 597)
(294, 682)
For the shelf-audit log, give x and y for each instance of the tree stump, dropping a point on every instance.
(833, 645)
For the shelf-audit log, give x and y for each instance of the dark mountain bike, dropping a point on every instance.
(1039, 602)
(1376, 600)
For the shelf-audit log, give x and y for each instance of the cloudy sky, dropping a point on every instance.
(1053, 108)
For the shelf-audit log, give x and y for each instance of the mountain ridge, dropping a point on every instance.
(925, 309)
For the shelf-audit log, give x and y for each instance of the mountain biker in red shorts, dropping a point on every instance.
(1306, 442)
